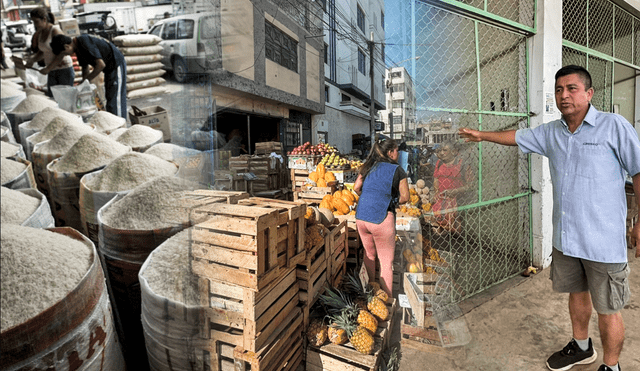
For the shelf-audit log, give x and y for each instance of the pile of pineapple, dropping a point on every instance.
(351, 315)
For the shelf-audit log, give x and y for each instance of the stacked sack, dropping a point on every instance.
(144, 70)
(77, 69)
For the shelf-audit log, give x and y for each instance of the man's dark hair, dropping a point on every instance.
(578, 70)
(58, 42)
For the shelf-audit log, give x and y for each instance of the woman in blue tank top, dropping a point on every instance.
(382, 185)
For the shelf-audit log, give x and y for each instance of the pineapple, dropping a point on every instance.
(337, 333)
(361, 339)
(338, 302)
(367, 320)
(379, 292)
(376, 306)
(317, 332)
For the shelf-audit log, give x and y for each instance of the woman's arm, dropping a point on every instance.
(357, 186)
(404, 191)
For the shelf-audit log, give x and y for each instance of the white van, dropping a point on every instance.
(188, 42)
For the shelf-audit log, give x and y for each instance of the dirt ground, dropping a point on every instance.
(517, 325)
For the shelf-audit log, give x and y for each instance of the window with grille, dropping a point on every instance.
(326, 93)
(396, 74)
(360, 18)
(397, 104)
(397, 119)
(280, 48)
(326, 53)
(361, 62)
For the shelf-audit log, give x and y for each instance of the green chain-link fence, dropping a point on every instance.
(472, 74)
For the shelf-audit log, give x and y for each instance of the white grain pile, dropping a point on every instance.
(8, 149)
(139, 136)
(170, 152)
(9, 90)
(44, 117)
(90, 152)
(34, 103)
(168, 272)
(52, 129)
(16, 207)
(39, 268)
(129, 171)
(153, 205)
(32, 91)
(116, 133)
(10, 169)
(106, 121)
(64, 139)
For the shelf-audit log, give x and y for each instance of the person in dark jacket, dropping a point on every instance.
(104, 57)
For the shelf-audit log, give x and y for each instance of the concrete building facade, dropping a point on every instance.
(401, 106)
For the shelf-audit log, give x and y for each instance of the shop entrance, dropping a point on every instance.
(242, 130)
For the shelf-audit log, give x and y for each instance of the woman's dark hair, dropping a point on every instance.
(43, 13)
(58, 42)
(379, 153)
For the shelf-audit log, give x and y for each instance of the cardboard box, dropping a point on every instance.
(156, 117)
(69, 27)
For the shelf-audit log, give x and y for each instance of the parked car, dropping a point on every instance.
(17, 34)
(187, 43)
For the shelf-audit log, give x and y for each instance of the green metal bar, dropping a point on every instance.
(586, 24)
(456, 110)
(530, 197)
(598, 54)
(613, 32)
(485, 17)
(488, 203)
(477, 44)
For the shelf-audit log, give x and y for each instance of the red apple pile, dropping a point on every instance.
(309, 149)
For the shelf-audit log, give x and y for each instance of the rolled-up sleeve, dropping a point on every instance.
(629, 148)
(533, 140)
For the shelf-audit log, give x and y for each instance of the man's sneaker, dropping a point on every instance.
(604, 367)
(570, 356)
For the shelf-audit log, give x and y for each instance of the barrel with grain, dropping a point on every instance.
(76, 333)
(64, 189)
(90, 202)
(123, 252)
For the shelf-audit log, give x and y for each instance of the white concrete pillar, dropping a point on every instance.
(545, 60)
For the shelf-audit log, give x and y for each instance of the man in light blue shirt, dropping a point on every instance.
(589, 154)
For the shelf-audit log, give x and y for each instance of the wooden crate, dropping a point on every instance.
(353, 240)
(309, 194)
(418, 336)
(237, 245)
(344, 357)
(244, 317)
(291, 226)
(284, 351)
(312, 277)
(336, 242)
(265, 148)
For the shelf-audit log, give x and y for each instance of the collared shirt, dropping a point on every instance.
(90, 49)
(588, 174)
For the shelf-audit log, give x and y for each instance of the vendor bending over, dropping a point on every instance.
(103, 56)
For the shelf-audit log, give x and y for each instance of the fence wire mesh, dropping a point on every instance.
(469, 74)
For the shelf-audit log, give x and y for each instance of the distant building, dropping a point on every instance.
(401, 105)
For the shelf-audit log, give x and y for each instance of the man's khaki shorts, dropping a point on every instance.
(608, 283)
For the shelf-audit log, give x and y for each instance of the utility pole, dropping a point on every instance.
(372, 116)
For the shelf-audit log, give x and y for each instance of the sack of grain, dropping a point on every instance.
(170, 151)
(146, 92)
(118, 178)
(136, 40)
(171, 311)
(145, 83)
(141, 68)
(141, 50)
(130, 228)
(140, 137)
(142, 59)
(40, 162)
(10, 150)
(106, 122)
(7, 135)
(89, 153)
(43, 118)
(27, 110)
(26, 207)
(12, 95)
(56, 312)
(17, 173)
(50, 131)
(140, 76)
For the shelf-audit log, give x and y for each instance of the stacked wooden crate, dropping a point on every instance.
(353, 241)
(267, 169)
(336, 242)
(312, 276)
(334, 357)
(309, 194)
(248, 283)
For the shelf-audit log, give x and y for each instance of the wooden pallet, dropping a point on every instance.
(232, 197)
(284, 351)
(333, 357)
(237, 245)
(246, 318)
(291, 226)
